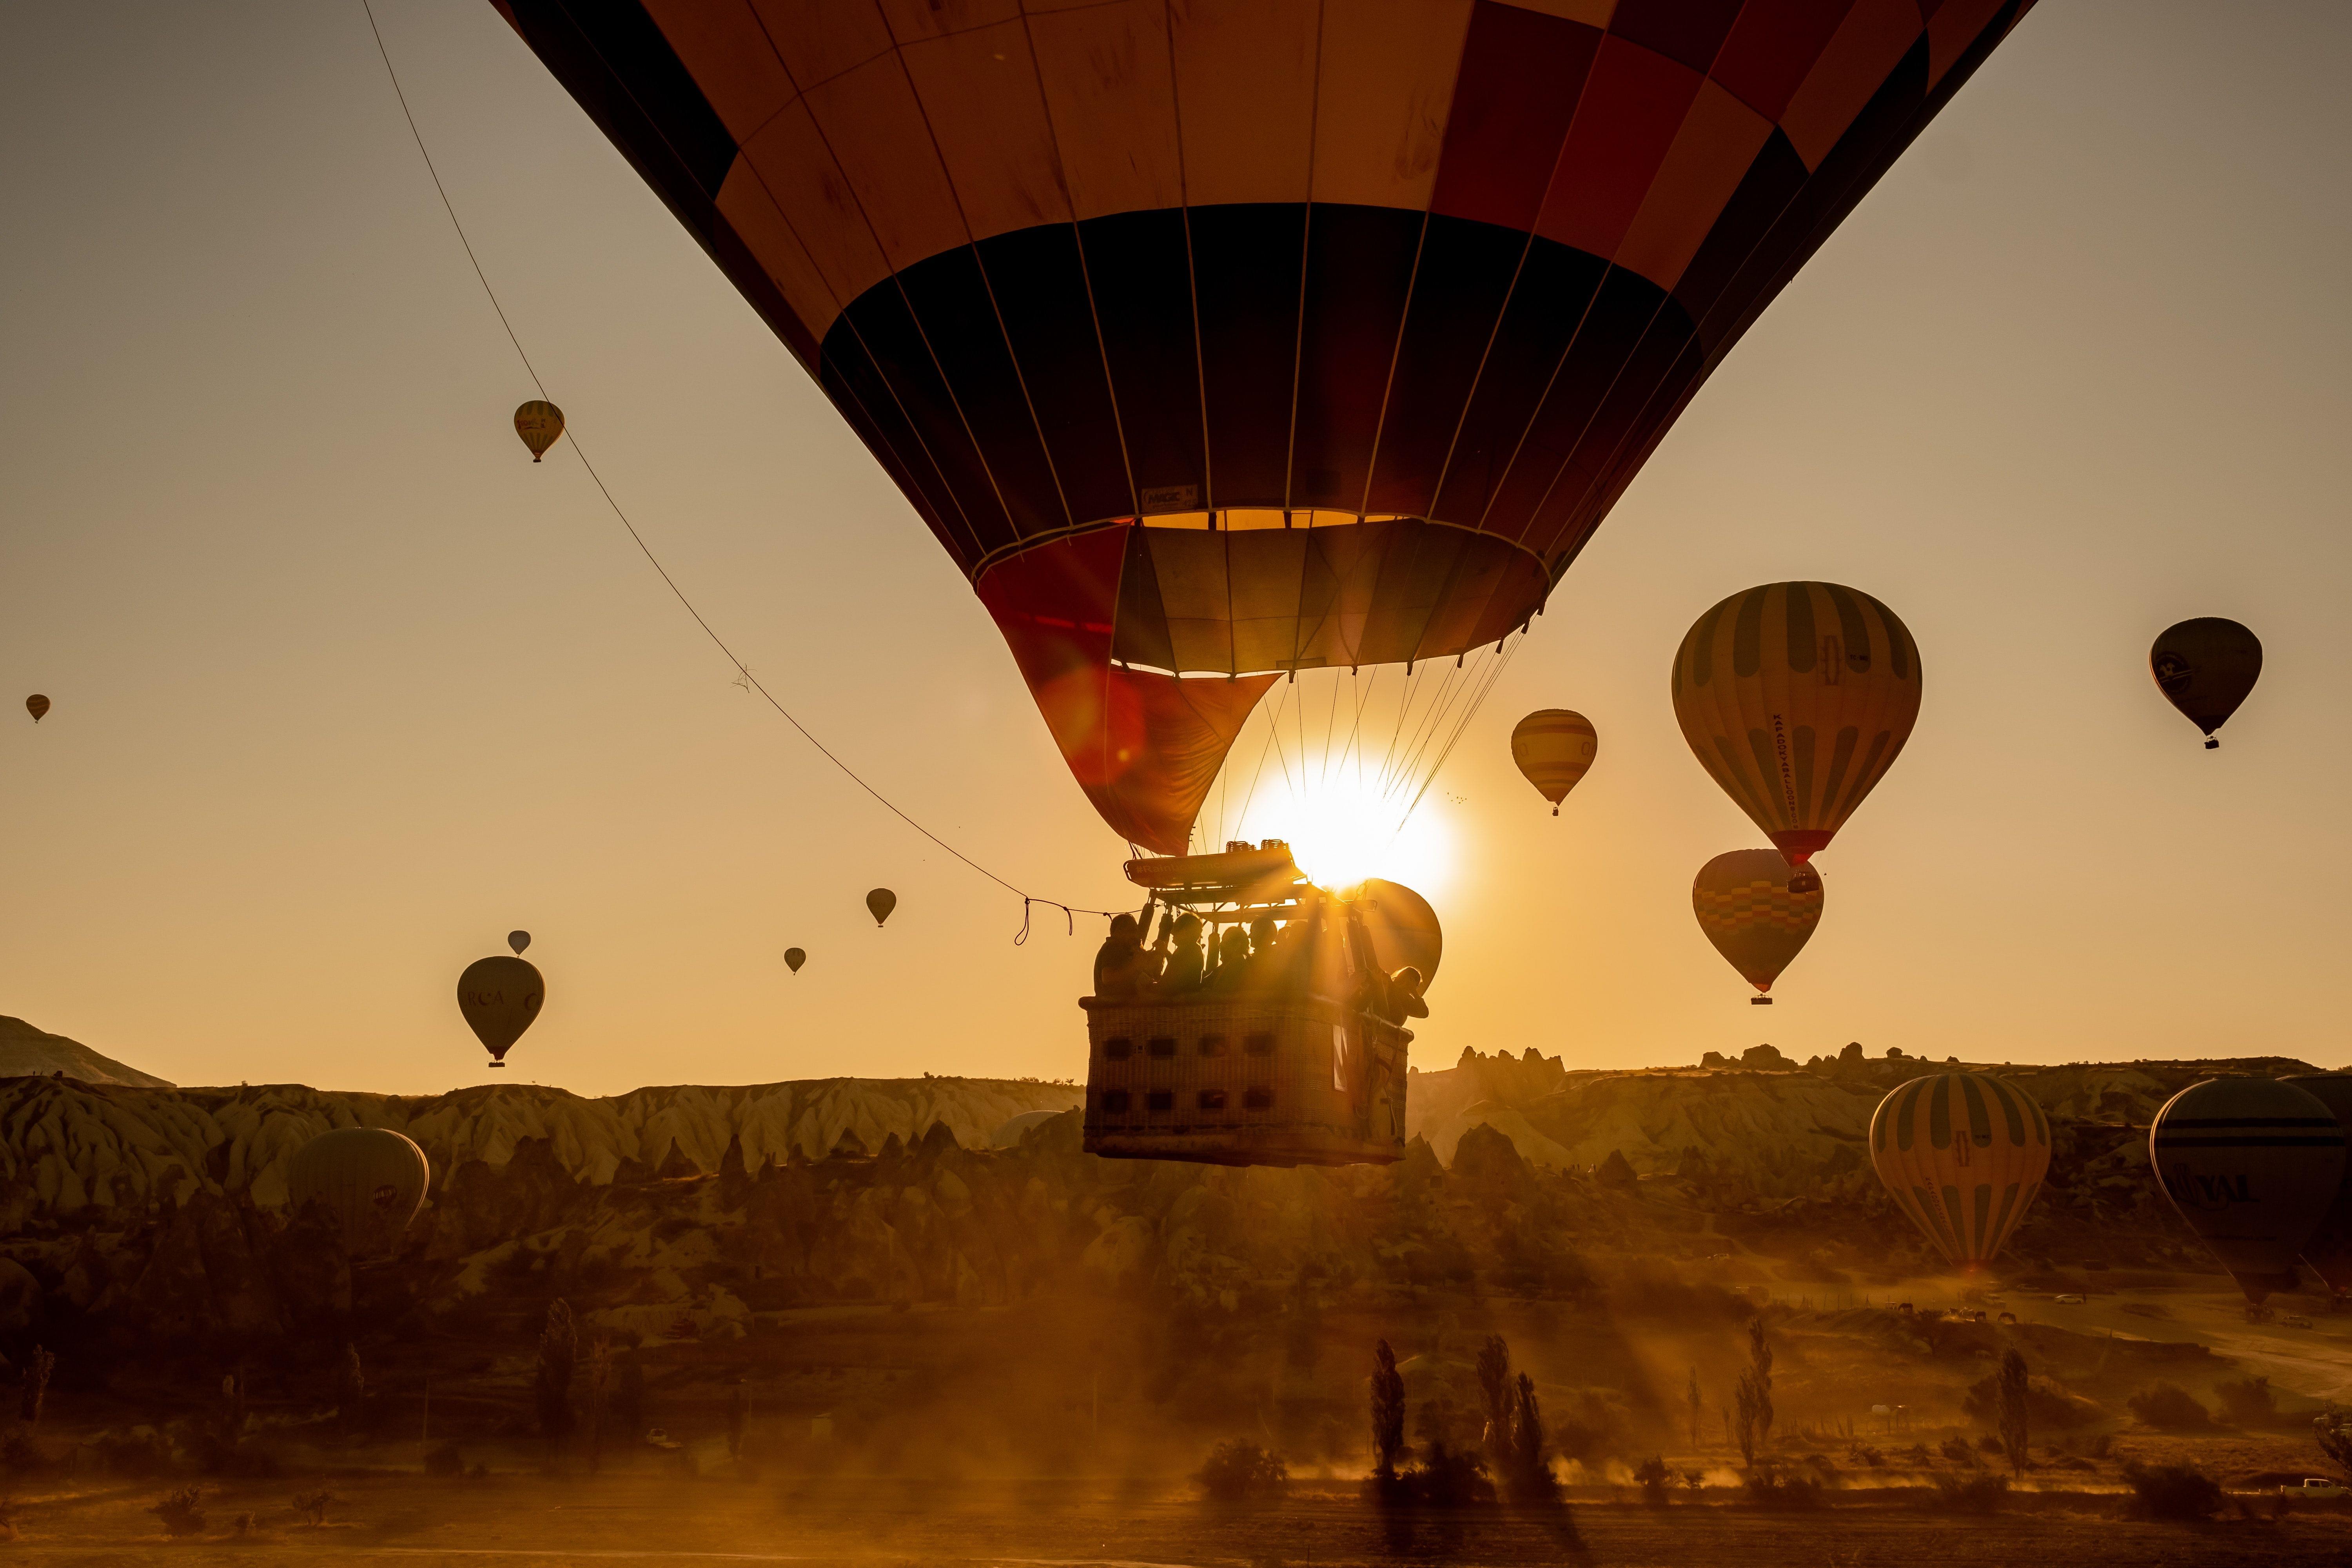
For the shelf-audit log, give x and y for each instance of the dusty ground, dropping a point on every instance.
(656, 1517)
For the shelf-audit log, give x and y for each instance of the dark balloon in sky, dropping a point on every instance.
(2253, 1165)
(793, 959)
(36, 705)
(371, 1179)
(2329, 1250)
(518, 940)
(499, 997)
(1250, 338)
(2206, 668)
(880, 902)
(541, 425)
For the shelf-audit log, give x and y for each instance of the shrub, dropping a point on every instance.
(1238, 1468)
(2168, 1408)
(182, 1511)
(1863, 1454)
(1970, 1494)
(1957, 1450)
(2171, 1491)
(2248, 1401)
(1653, 1477)
(1766, 1488)
(2333, 1431)
(1449, 1477)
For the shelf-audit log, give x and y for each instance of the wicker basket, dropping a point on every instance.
(1243, 1081)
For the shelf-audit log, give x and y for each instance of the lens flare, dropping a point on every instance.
(1343, 829)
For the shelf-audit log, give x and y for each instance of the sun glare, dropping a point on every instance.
(1341, 830)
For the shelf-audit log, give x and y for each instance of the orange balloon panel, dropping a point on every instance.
(1757, 910)
(1347, 324)
(1963, 1153)
(1797, 696)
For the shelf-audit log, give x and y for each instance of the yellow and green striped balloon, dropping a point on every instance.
(1796, 698)
(1554, 748)
(1963, 1153)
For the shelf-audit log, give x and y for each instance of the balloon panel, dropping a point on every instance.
(1963, 1154)
(2329, 1250)
(2253, 1165)
(880, 902)
(1757, 911)
(499, 997)
(1353, 377)
(2206, 668)
(1796, 698)
(1554, 748)
(371, 1179)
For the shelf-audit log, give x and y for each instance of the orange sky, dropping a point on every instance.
(346, 688)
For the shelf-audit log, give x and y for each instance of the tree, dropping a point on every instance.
(35, 1386)
(2333, 1431)
(1743, 1416)
(559, 1347)
(600, 1381)
(1697, 1406)
(351, 1387)
(2014, 1428)
(1530, 1478)
(1759, 1359)
(1388, 1413)
(1494, 1381)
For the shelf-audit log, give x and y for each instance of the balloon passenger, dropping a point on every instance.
(1119, 963)
(1183, 968)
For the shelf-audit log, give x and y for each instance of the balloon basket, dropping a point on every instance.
(1294, 1081)
(2211, 744)
(1760, 1001)
(498, 1064)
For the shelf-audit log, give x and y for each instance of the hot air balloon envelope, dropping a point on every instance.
(793, 959)
(371, 1179)
(1757, 910)
(499, 997)
(880, 902)
(36, 705)
(1796, 698)
(2253, 1165)
(1252, 336)
(1554, 747)
(518, 940)
(2205, 668)
(1963, 1153)
(541, 425)
(1403, 928)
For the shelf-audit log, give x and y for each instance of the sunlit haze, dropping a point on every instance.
(346, 688)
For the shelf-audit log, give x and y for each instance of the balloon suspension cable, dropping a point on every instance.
(744, 671)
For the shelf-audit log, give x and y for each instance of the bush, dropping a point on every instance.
(2169, 1409)
(1238, 1468)
(1653, 1477)
(1449, 1477)
(2248, 1401)
(1957, 1450)
(1863, 1454)
(1768, 1489)
(1970, 1494)
(182, 1511)
(2171, 1491)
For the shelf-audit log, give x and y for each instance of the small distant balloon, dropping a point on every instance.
(2205, 668)
(541, 425)
(880, 902)
(499, 997)
(36, 705)
(1554, 747)
(518, 940)
(793, 959)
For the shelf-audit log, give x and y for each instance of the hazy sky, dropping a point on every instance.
(346, 688)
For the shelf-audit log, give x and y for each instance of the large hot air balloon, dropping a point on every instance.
(879, 903)
(1963, 1153)
(1252, 336)
(1759, 911)
(38, 706)
(1797, 696)
(1554, 747)
(2329, 1250)
(541, 425)
(2253, 1165)
(2205, 668)
(371, 1179)
(499, 997)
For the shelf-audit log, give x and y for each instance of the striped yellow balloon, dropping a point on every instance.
(541, 425)
(1554, 748)
(1963, 1153)
(1797, 696)
(1757, 910)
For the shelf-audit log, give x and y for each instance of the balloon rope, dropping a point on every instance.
(744, 670)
